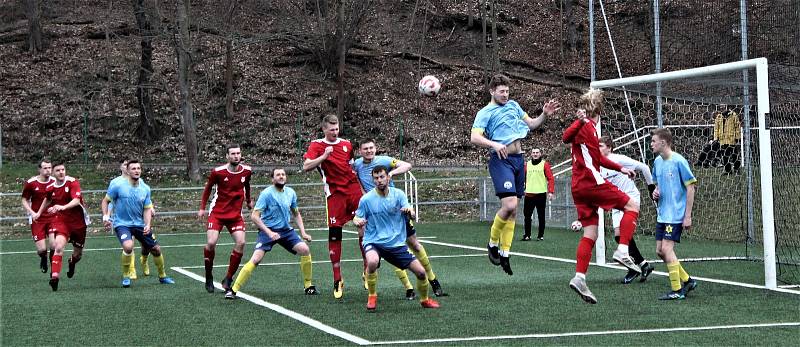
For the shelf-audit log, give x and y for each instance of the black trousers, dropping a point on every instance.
(538, 202)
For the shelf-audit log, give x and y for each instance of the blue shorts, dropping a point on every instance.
(125, 233)
(669, 231)
(397, 256)
(410, 230)
(508, 175)
(288, 240)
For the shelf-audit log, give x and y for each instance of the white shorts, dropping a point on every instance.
(616, 215)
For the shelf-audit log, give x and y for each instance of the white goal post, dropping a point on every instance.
(764, 139)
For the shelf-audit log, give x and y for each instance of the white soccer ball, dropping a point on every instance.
(576, 226)
(429, 86)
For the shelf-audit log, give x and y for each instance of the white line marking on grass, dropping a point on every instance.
(328, 261)
(159, 235)
(586, 333)
(284, 311)
(563, 260)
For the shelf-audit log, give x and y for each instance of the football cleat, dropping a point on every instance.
(647, 269)
(625, 260)
(526, 238)
(437, 288)
(54, 281)
(166, 280)
(43, 264)
(430, 303)
(126, 282)
(494, 254)
(506, 265)
(70, 268)
(410, 294)
(210, 284)
(372, 302)
(226, 283)
(672, 296)
(311, 290)
(688, 286)
(338, 289)
(629, 277)
(540, 238)
(230, 294)
(579, 286)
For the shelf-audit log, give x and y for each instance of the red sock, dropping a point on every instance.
(236, 259)
(361, 248)
(584, 255)
(208, 259)
(55, 264)
(335, 251)
(627, 227)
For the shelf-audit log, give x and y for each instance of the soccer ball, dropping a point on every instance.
(429, 86)
(576, 226)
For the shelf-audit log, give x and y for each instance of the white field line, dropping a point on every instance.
(564, 260)
(328, 261)
(587, 333)
(284, 311)
(159, 235)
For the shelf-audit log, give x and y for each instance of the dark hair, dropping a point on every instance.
(499, 80)
(59, 163)
(607, 141)
(231, 146)
(329, 119)
(272, 172)
(44, 160)
(664, 134)
(366, 141)
(122, 160)
(378, 169)
(133, 161)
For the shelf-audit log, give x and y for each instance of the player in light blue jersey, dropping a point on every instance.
(675, 188)
(500, 126)
(382, 212)
(363, 167)
(272, 214)
(132, 217)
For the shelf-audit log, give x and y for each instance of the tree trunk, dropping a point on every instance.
(148, 129)
(495, 44)
(341, 53)
(572, 35)
(33, 10)
(229, 78)
(483, 44)
(182, 47)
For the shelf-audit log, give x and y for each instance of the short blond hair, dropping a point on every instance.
(592, 102)
(329, 119)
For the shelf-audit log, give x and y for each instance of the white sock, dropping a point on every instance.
(492, 244)
(623, 248)
(580, 275)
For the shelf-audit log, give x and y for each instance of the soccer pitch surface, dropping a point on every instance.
(535, 306)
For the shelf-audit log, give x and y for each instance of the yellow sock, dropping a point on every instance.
(126, 260)
(496, 230)
(305, 267)
(145, 267)
(507, 235)
(372, 283)
(683, 273)
(244, 275)
(422, 289)
(159, 260)
(426, 263)
(674, 276)
(403, 277)
(132, 270)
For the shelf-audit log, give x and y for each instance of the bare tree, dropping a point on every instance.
(182, 48)
(571, 39)
(230, 12)
(148, 128)
(33, 10)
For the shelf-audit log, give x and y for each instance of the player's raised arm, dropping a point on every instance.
(549, 108)
(399, 167)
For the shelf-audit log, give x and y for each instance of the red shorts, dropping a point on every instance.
(77, 233)
(233, 224)
(605, 196)
(40, 229)
(341, 205)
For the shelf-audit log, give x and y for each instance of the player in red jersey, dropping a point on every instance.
(66, 203)
(591, 191)
(34, 193)
(332, 157)
(233, 188)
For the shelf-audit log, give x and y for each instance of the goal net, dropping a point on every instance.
(745, 159)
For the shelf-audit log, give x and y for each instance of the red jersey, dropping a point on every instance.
(337, 172)
(63, 194)
(586, 156)
(35, 192)
(233, 188)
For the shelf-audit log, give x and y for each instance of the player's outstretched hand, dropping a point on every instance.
(551, 107)
(359, 222)
(581, 114)
(305, 236)
(629, 172)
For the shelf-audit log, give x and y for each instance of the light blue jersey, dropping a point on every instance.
(275, 207)
(129, 202)
(364, 171)
(386, 224)
(503, 124)
(672, 176)
(117, 180)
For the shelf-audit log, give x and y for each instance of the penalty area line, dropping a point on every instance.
(284, 311)
(328, 261)
(587, 333)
